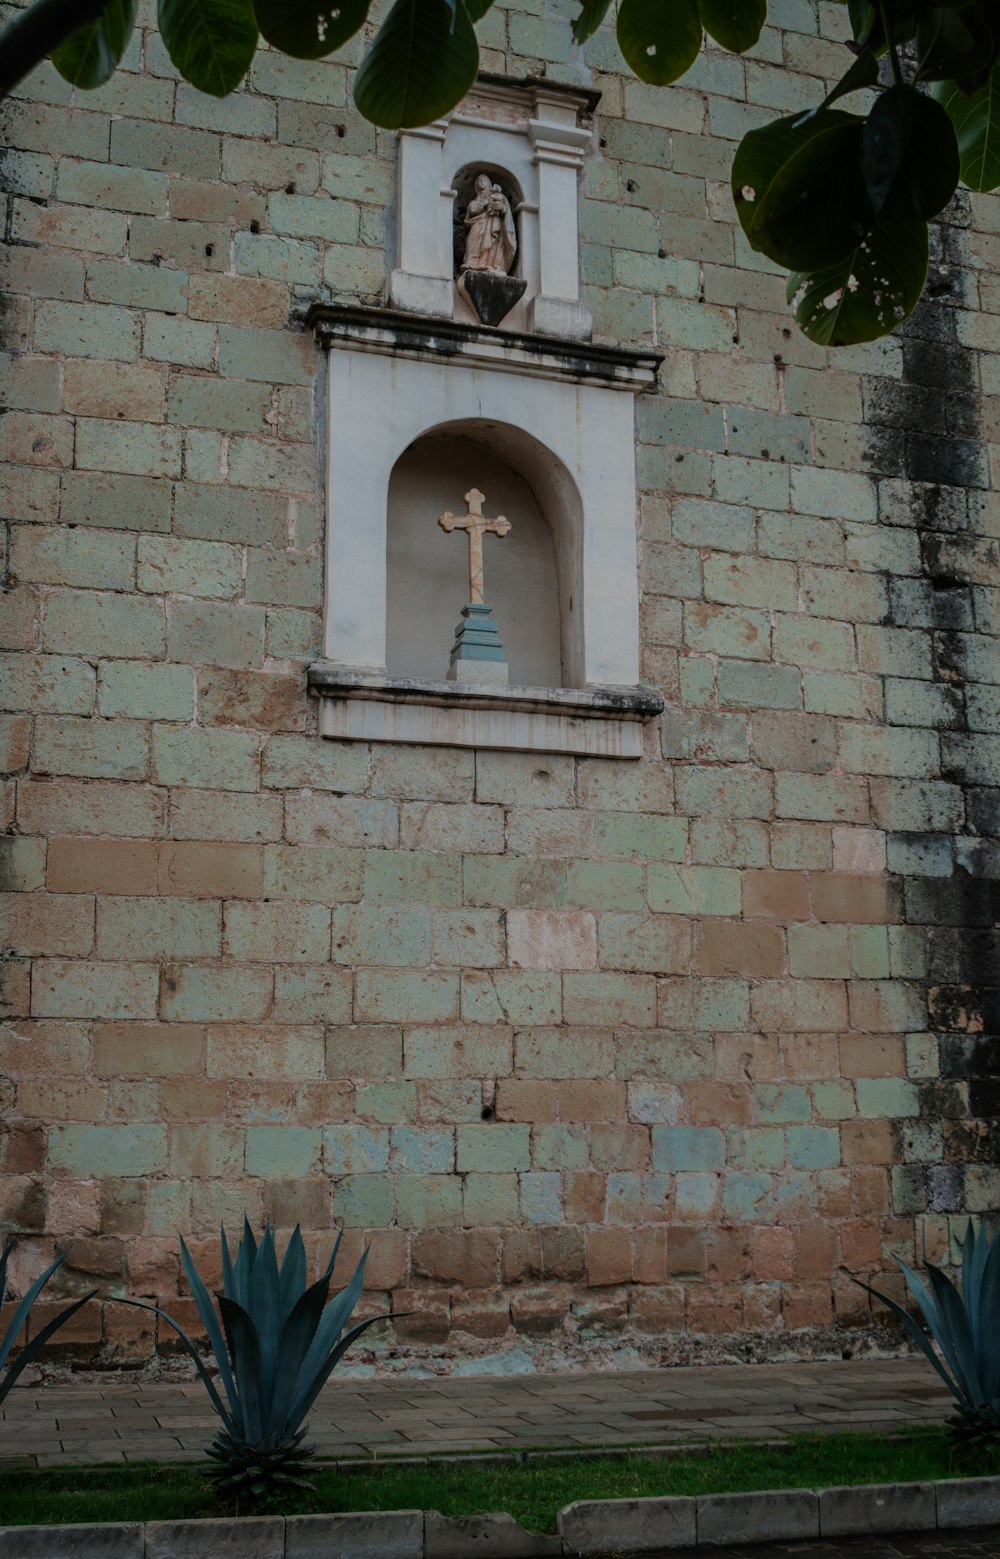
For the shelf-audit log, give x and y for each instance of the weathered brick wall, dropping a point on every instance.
(586, 1048)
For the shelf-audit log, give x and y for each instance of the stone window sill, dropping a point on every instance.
(371, 706)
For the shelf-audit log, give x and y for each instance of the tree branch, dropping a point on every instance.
(31, 36)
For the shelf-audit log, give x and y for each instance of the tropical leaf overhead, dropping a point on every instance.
(837, 199)
(89, 57)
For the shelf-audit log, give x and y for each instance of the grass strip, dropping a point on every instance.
(532, 1493)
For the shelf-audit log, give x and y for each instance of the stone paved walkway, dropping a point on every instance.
(170, 1421)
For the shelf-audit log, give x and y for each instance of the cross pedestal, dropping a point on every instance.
(477, 654)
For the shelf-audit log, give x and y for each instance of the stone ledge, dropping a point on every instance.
(371, 706)
(397, 333)
(588, 1529)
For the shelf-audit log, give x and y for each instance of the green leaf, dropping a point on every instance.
(660, 39)
(592, 14)
(310, 29)
(799, 190)
(422, 62)
(869, 292)
(863, 73)
(909, 156)
(210, 41)
(736, 24)
(952, 45)
(863, 15)
(89, 57)
(977, 125)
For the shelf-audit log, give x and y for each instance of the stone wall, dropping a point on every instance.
(666, 1051)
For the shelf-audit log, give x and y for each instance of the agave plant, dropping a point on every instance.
(966, 1328)
(276, 1341)
(32, 1349)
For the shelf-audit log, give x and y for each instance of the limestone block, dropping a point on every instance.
(768, 1517)
(966, 1502)
(395, 1534)
(883, 1507)
(252, 1537)
(637, 1525)
(124, 1540)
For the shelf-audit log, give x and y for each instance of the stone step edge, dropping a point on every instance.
(587, 1529)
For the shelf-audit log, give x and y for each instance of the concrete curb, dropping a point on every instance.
(588, 1529)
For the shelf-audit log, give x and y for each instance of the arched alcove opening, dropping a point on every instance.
(532, 573)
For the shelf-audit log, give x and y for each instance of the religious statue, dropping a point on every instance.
(491, 240)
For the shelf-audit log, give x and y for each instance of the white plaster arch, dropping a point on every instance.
(574, 435)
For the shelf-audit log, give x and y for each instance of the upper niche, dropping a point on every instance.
(464, 184)
(528, 137)
(427, 575)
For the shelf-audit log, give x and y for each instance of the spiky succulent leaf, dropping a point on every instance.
(966, 1328)
(32, 1349)
(293, 1278)
(918, 1336)
(231, 1423)
(335, 1318)
(21, 1310)
(259, 1469)
(228, 1274)
(265, 1314)
(210, 1322)
(329, 1364)
(953, 1333)
(296, 1339)
(328, 1271)
(981, 1295)
(278, 1342)
(244, 1350)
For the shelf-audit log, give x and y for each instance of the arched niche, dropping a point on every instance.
(560, 417)
(531, 573)
(463, 184)
(536, 136)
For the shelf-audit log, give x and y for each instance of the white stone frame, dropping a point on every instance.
(532, 132)
(566, 411)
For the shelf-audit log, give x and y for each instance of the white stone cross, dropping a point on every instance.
(476, 525)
